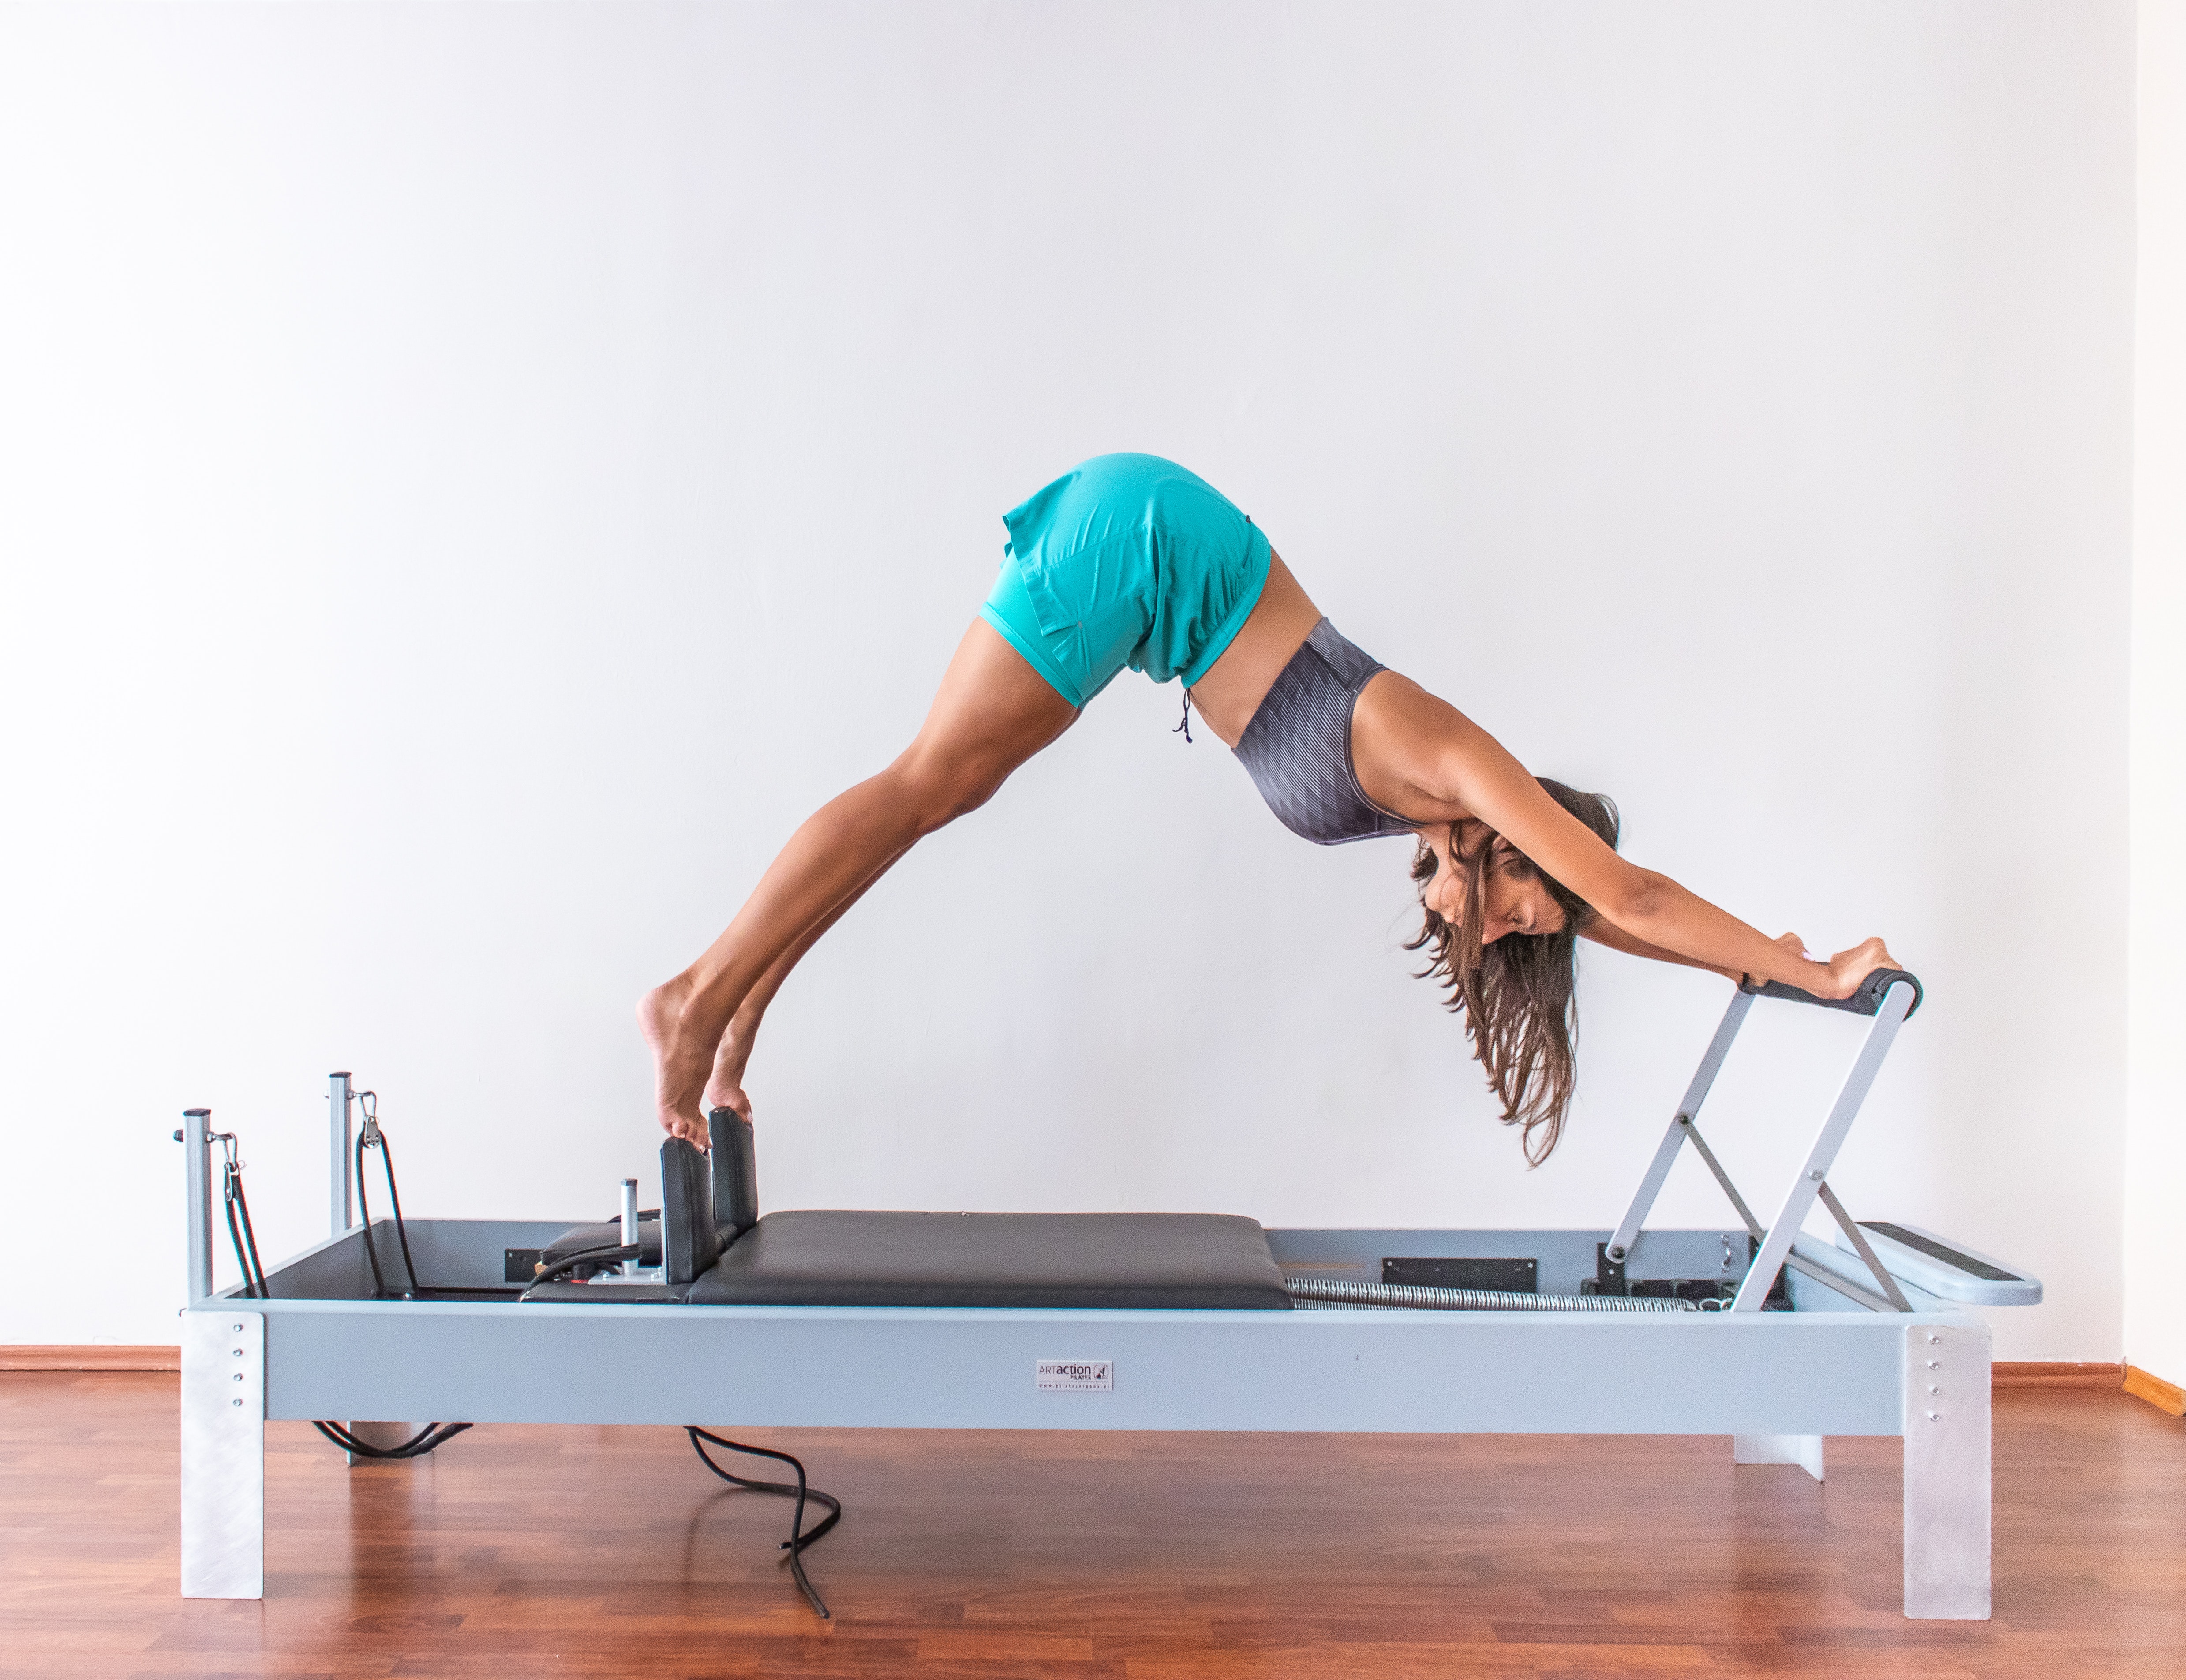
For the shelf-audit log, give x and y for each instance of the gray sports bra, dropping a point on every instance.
(1298, 747)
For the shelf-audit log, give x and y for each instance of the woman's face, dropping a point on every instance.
(1518, 901)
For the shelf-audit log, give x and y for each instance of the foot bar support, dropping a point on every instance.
(1799, 1199)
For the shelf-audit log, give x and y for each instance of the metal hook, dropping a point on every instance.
(231, 1172)
(367, 1103)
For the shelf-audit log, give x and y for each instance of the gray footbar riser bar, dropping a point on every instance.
(1866, 999)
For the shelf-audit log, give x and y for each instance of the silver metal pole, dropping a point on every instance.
(630, 1224)
(196, 1172)
(337, 1143)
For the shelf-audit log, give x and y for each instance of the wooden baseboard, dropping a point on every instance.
(2164, 1396)
(2055, 1374)
(97, 1357)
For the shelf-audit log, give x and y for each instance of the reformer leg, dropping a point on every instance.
(1802, 1450)
(1947, 1472)
(223, 1455)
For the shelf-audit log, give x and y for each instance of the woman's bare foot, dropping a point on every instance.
(724, 1087)
(682, 1062)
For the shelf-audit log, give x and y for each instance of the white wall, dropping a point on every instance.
(2155, 1142)
(476, 477)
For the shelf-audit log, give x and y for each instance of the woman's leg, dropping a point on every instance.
(724, 1087)
(992, 712)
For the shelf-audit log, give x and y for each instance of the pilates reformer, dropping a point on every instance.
(819, 1318)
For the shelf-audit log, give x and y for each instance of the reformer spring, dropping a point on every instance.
(1344, 1292)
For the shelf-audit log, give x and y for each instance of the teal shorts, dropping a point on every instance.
(1125, 560)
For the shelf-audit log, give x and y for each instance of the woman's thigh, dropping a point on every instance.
(991, 713)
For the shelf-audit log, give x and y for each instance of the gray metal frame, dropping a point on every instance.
(320, 1349)
(1780, 1239)
(1777, 1383)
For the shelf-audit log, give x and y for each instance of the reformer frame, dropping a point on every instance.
(1848, 1359)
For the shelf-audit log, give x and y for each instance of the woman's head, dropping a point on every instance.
(1500, 935)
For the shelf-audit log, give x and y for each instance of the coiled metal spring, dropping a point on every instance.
(1344, 1292)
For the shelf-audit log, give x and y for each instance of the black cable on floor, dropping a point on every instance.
(798, 1540)
(424, 1441)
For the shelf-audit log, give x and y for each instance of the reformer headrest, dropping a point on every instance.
(736, 1173)
(702, 1212)
(689, 1240)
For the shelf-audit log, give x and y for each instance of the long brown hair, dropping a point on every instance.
(1517, 994)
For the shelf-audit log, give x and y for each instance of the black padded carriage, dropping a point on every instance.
(821, 1258)
(714, 1250)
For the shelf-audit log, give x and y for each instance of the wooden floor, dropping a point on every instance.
(517, 1552)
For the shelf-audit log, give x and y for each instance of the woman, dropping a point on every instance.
(1129, 560)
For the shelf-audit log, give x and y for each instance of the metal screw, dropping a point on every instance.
(238, 1352)
(1935, 1365)
(238, 1403)
(1935, 1417)
(239, 1328)
(238, 1376)
(1934, 1391)
(1816, 1175)
(1934, 1340)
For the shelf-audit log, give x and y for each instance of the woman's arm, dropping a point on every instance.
(1603, 931)
(1421, 756)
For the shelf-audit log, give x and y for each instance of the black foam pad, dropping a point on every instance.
(736, 1173)
(614, 1294)
(821, 1258)
(689, 1238)
(606, 1235)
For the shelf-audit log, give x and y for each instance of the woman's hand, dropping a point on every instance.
(1845, 971)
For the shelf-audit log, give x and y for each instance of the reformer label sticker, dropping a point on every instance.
(1083, 1375)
